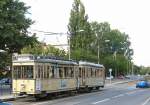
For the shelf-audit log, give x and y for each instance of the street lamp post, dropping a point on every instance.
(114, 57)
(69, 44)
(98, 53)
(97, 48)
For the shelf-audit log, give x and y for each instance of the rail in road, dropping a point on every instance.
(121, 94)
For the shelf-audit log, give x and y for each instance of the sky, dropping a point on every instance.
(129, 16)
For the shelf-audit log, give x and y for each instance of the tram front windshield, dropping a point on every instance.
(23, 72)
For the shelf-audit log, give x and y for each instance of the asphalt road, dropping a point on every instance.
(120, 94)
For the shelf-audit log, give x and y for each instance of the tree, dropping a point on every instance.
(78, 21)
(13, 29)
(113, 46)
(14, 25)
(43, 49)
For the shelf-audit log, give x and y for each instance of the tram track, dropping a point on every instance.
(32, 101)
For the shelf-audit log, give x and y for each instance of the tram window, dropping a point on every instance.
(45, 72)
(42, 72)
(28, 71)
(86, 71)
(91, 72)
(83, 72)
(23, 72)
(19, 74)
(100, 73)
(48, 71)
(95, 72)
(65, 72)
(39, 71)
(60, 72)
(53, 68)
(80, 72)
(14, 72)
(72, 72)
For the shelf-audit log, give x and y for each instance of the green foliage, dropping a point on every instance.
(114, 46)
(43, 49)
(36, 49)
(13, 29)
(144, 70)
(13, 26)
(80, 30)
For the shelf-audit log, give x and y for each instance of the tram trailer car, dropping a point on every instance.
(91, 76)
(40, 75)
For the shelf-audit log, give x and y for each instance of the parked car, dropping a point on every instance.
(4, 103)
(121, 77)
(128, 76)
(112, 77)
(5, 81)
(142, 84)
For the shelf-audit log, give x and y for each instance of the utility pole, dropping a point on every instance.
(132, 69)
(98, 53)
(69, 45)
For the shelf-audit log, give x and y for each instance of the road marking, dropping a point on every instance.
(131, 88)
(107, 99)
(129, 93)
(132, 92)
(120, 95)
(40, 103)
(146, 101)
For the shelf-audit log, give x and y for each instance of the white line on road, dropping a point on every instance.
(146, 101)
(40, 103)
(120, 95)
(129, 93)
(133, 92)
(107, 99)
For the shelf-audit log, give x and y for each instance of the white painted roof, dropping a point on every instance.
(83, 63)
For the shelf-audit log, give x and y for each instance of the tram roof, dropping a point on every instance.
(51, 59)
(83, 63)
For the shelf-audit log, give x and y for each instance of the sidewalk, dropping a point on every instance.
(117, 81)
(107, 83)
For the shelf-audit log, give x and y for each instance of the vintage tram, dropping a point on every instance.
(42, 75)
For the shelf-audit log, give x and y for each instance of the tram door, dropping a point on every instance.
(82, 76)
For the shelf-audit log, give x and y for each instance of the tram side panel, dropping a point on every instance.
(56, 79)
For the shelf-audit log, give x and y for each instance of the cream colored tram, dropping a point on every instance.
(91, 75)
(35, 75)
